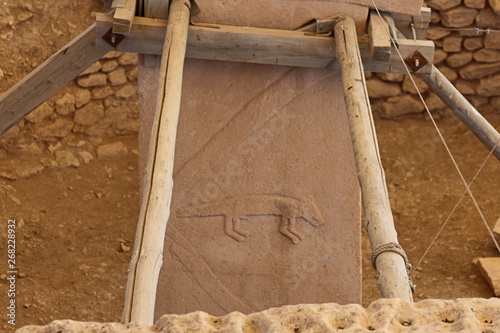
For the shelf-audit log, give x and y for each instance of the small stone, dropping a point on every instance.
(82, 97)
(391, 77)
(459, 59)
(473, 43)
(27, 171)
(473, 276)
(21, 275)
(89, 114)
(492, 41)
(117, 77)
(380, 89)
(86, 156)
(25, 149)
(102, 92)
(128, 59)
(66, 158)
(59, 129)
(94, 68)
(47, 162)
(98, 195)
(410, 88)
(490, 269)
(399, 106)
(65, 105)
(127, 127)
(452, 44)
(111, 55)
(26, 305)
(477, 71)
(40, 113)
(83, 267)
(20, 224)
(443, 4)
(487, 55)
(132, 74)
(475, 3)
(16, 200)
(112, 151)
(126, 92)
(108, 66)
(93, 80)
(124, 248)
(458, 17)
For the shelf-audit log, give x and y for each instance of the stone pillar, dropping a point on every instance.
(266, 203)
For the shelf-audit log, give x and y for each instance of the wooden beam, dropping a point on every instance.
(420, 22)
(255, 45)
(488, 135)
(49, 78)
(123, 17)
(380, 42)
(392, 272)
(147, 258)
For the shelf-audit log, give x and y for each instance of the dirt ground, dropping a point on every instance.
(76, 225)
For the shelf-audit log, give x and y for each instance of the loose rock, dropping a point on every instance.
(66, 158)
(89, 114)
(82, 97)
(490, 269)
(65, 105)
(42, 112)
(112, 151)
(86, 156)
(126, 92)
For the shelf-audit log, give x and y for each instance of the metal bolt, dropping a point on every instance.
(113, 39)
(476, 31)
(488, 32)
(417, 62)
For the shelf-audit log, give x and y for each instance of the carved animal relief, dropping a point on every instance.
(235, 209)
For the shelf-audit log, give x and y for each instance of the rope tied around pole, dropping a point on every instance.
(394, 248)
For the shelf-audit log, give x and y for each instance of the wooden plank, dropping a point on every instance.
(49, 77)
(122, 20)
(254, 45)
(392, 272)
(462, 108)
(421, 23)
(147, 258)
(156, 8)
(380, 42)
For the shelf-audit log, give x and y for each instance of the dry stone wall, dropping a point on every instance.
(99, 105)
(471, 61)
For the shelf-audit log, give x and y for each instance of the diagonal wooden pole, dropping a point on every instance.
(147, 258)
(488, 135)
(388, 257)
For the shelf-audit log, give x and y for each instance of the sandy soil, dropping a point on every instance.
(76, 226)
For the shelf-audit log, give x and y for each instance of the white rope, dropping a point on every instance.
(438, 131)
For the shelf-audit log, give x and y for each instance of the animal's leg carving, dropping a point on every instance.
(284, 229)
(292, 227)
(229, 229)
(238, 228)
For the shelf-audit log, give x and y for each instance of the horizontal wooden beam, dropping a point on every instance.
(253, 45)
(123, 17)
(49, 78)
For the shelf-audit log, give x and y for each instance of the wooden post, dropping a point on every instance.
(148, 251)
(463, 109)
(392, 272)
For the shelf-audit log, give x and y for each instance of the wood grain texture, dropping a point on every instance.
(49, 77)
(122, 21)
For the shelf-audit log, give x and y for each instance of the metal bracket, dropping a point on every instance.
(112, 38)
(416, 61)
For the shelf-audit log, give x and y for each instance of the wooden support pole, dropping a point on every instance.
(122, 20)
(392, 272)
(488, 135)
(147, 258)
(49, 78)
(380, 42)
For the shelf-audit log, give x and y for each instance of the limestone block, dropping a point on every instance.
(65, 158)
(94, 68)
(89, 114)
(477, 71)
(439, 56)
(452, 44)
(456, 60)
(102, 92)
(488, 19)
(117, 77)
(392, 77)
(108, 66)
(490, 269)
(492, 41)
(380, 89)
(434, 102)
(458, 17)
(65, 105)
(111, 151)
(93, 80)
(399, 106)
(111, 55)
(443, 4)
(489, 86)
(58, 129)
(466, 87)
(132, 74)
(487, 55)
(128, 59)
(437, 34)
(473, 43)
(410, 88)
(383, 315)
(475, 3)
(495, 4)
(82, 97)
(42, 112)
(126, 91)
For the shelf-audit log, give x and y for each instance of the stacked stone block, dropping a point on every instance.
(469, 59)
